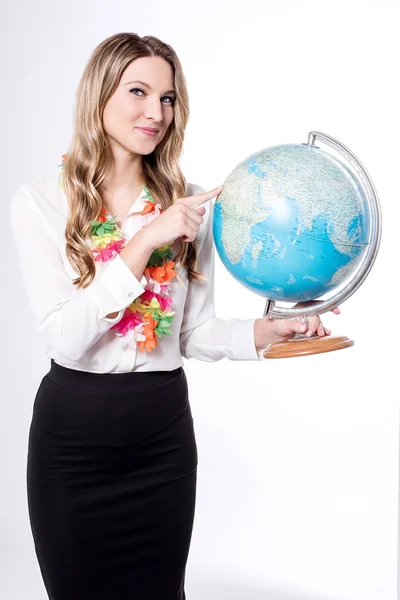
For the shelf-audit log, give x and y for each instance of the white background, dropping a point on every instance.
(298, 459)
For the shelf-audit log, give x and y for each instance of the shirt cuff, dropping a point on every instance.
(115, 289)
(116, 319)
(243, 343)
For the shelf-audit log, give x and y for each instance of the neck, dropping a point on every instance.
(126, 173)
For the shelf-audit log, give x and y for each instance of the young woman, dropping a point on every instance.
(116, 253)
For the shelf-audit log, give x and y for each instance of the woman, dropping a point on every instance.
(119, 274)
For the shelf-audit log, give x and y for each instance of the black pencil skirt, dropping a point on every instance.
(111, 482)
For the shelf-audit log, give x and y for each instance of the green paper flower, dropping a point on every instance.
(160, 331)
(148, 195)
(100, 229)
(159, 256)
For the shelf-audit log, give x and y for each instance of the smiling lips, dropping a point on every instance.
(148, 131)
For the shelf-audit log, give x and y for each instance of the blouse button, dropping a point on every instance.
(130, 294)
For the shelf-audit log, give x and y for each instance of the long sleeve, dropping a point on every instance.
(203, 335)
(69, 320)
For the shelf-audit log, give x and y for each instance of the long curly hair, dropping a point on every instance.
(89, 159)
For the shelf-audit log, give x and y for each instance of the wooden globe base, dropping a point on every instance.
(303, 346)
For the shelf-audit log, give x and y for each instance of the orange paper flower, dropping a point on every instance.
(102, 218)
(163, 274)
(148, 208)
(151, 340)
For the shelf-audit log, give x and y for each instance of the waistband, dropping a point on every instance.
(85, 380)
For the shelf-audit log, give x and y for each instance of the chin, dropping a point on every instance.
(146, 151)
(142, 149)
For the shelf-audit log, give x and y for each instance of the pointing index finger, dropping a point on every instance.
(198, 199)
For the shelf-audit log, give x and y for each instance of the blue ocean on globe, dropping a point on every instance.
(291, 223)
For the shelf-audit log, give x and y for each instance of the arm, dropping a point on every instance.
(69, 320)
(203, 335)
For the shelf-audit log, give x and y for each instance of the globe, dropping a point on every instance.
(292, 222)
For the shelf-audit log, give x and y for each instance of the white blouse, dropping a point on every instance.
(72, 322)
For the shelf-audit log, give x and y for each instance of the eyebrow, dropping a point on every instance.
(147, 85)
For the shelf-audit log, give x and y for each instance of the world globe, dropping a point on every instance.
(291, 223)
(296, 224)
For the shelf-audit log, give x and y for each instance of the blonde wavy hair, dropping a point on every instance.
(89, 159)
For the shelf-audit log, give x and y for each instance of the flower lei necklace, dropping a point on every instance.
(149, 317)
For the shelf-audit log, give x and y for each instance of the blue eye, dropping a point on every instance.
(134, 90)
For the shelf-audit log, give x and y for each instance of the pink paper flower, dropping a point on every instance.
(107, 253)
(128, 321)
(165, 301)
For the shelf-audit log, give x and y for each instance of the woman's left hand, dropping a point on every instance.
(315, 324)
(268, 331)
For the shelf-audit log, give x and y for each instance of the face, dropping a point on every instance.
(143, 99)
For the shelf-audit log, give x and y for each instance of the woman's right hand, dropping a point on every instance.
(180, 220)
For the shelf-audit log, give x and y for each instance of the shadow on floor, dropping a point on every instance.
(207, 587)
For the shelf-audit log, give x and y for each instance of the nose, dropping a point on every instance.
(153, 109)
